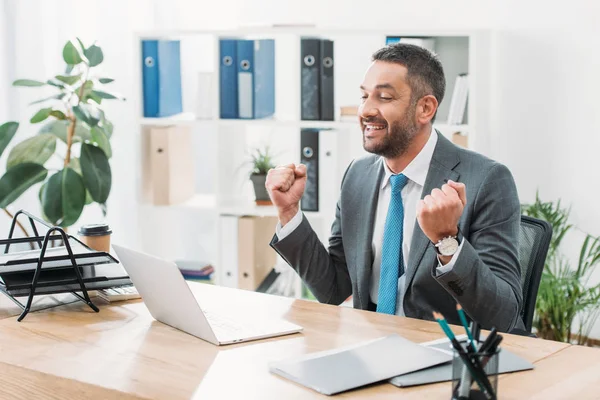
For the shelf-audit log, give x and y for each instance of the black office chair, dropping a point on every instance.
(534, 240)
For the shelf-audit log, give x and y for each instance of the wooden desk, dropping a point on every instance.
(123, 349)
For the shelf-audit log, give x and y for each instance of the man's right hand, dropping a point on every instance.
(285, 185)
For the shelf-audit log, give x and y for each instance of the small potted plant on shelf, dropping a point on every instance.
(262, 162)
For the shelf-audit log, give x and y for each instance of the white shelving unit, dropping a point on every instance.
(221, 146)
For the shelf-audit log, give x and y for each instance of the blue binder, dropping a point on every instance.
(228, 82)
(256, 78)
(264, 78)
(161, 71)
(245, 69)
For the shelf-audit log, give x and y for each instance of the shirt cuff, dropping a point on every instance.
(442, 269)
(283, 231)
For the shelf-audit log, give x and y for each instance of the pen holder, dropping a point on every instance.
(479, 380)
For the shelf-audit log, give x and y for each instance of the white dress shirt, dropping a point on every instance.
(416, 172)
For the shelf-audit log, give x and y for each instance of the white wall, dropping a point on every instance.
(545, 79)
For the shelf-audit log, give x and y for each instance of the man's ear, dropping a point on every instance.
(426, 108)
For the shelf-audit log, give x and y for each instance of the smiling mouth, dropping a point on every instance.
(373, 128)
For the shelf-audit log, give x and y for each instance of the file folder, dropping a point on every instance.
(334, 371)
(256, 78)
(255, 257)
(310, 54)
(171, 164)
(264, 78)
(326, 89)
(309, 147)
(161, 74)
(228, 79)
(245, 53)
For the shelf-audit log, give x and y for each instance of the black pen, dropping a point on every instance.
(489, 340)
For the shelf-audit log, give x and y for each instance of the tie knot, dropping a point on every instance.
(398, 182)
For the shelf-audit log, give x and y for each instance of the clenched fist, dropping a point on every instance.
(285, 185)
(439, 212)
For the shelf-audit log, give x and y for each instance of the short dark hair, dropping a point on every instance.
(425, 72)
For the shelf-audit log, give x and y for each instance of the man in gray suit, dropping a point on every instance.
(421, 224)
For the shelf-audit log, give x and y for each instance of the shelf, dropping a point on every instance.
(177, 119)
(209, 202)
(198, 201)
(302, 30)
(346, 123)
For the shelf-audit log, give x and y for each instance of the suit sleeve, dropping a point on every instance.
(486, 279)
(323, 270)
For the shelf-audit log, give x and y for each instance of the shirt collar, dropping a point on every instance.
(417, 170)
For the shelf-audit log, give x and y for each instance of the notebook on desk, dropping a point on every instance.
(338, 370)
(508, 362)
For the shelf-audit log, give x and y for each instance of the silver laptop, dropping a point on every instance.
(171, 301)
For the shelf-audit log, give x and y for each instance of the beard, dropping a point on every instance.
(398, 137)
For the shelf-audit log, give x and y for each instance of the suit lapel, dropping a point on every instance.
(367, 208)
(443, 162)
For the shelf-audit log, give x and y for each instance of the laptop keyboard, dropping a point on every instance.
(227, 329)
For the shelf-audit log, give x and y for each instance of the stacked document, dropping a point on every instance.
(55, 257)
(334, 371)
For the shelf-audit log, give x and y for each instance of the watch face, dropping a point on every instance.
(448, 246)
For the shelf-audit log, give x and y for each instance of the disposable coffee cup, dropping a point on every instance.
(96, 236)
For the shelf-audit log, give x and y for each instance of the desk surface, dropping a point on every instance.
(122, 350)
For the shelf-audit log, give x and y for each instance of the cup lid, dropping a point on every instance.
(94, 230)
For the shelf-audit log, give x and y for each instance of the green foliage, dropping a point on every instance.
(72, 115)
(564, 293)
(262, 161)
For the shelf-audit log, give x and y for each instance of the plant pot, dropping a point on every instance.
(260, 192)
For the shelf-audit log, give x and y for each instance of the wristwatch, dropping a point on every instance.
(448, 246)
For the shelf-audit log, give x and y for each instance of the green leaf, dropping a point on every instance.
(37, 149)
(100, 138)
(75, 165)
(7, 132)
(58, 114)
(28, 83)
(106, 80)
(59, 129)
(18, 179)
(69, 80)
(88, 198)
(63, 197)
(94, 55)
(96, 172)
(55, 83)
(55, 97)
(41, 115)
(92, 114)
(81, 114)
(68, 70)
(106, 95)
(81, 44)
(87, 89)
(70, 54)
(107, 127)
(94, 97)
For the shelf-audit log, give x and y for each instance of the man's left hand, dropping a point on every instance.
(438, 213)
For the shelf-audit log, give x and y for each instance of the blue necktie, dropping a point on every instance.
(392, 264)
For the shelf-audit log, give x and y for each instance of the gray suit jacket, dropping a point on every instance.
(486, 278)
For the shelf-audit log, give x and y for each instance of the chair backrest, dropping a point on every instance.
(534, 240)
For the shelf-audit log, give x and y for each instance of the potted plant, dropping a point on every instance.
(262, 162)
(76, 130)
(565, 294)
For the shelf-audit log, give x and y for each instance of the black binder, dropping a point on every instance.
(326, 89)
(310, 52)
(309, 147)
(50, 270)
